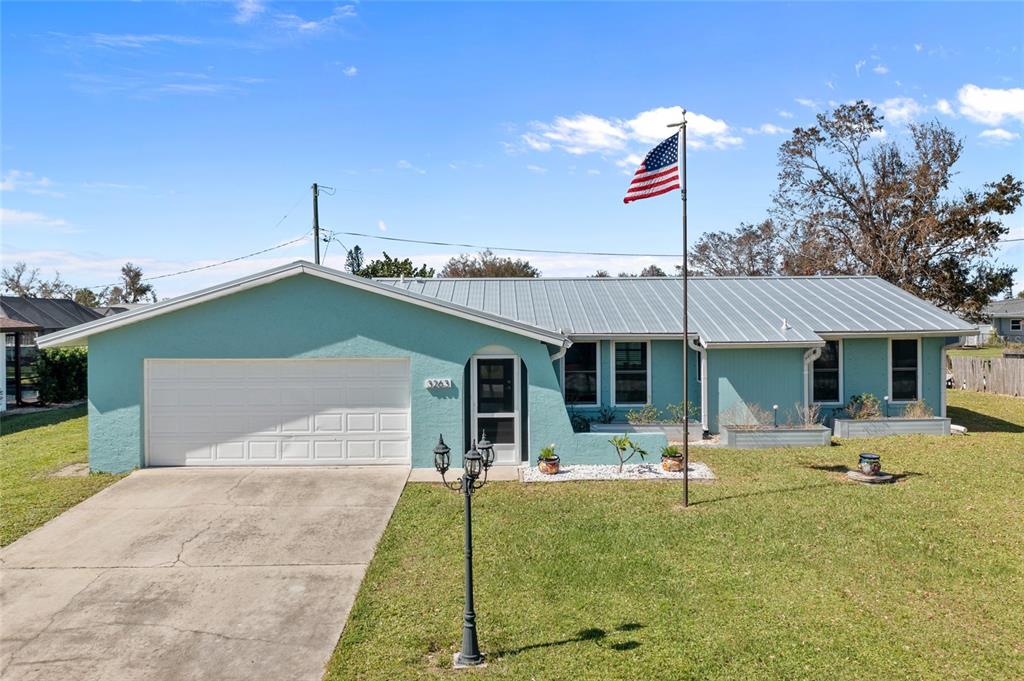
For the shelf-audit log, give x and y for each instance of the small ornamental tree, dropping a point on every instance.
(622, 444)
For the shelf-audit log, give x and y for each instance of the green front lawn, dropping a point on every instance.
(780, 570)
(32, 447)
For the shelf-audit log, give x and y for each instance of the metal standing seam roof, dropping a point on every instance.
(723, 310)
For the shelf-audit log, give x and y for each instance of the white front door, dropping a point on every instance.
(495, 405)
(284, 412)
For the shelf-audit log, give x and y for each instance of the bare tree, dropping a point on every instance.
(850, 202)
(131, 289)
(752, 250)
(652, 271)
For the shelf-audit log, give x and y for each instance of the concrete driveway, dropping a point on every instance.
(194, 574)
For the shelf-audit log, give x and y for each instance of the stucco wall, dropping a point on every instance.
(305, 316)
(744, 377)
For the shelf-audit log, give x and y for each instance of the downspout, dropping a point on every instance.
(695, 344)
(561, 351)
(942, 373)
(809, 356)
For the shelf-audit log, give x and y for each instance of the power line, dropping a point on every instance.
(211, 265)
(514, 250)
(529, 250)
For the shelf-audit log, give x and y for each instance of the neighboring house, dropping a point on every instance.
(305, 365)
(117, 308)
(1007, 319)
(22, 319)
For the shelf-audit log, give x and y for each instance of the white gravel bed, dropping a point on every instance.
(631, 471)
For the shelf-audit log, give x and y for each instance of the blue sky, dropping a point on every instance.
(177, 134)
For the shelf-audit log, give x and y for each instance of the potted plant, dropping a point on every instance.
(672, 459)
(547, 460)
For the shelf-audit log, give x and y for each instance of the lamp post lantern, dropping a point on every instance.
(476, 461)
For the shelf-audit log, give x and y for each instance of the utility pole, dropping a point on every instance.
(316, 225)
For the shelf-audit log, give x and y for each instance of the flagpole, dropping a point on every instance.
(681, 156)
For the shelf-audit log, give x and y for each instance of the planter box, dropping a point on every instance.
(749, 438)
(674, 432)
(852, 428)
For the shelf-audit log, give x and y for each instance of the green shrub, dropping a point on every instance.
(61, 374)
(547, 452)
(645, 415)
(677, 412)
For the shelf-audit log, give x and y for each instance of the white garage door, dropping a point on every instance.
(287, 412)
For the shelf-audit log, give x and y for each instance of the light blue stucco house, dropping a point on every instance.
(305, 365)
(1007, 319)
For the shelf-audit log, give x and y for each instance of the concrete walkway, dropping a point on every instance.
(194, 574)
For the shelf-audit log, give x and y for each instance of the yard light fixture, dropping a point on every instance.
(775, 414)
(476, 461)
(885, 399)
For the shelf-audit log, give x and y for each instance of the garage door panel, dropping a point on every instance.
(287, 412)
(261, 450)
(364, 450)
(394, 422)
(394, 449)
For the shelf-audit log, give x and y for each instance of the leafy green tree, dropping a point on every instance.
(354, 260)
(652, 271)
(87, 297)
(388, 267)
(487, 264)
(131, 289)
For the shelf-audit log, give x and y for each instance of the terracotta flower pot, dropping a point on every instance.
(672, 464)
(549, 466)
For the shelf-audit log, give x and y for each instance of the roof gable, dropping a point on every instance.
(80, 334)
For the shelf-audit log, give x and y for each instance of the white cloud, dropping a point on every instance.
(586, 133)
(809, 103)
(294, 22)
(881, 69)
(11, 217)
(766, 129)
(540, 170)
(918, 47)
(858, 66)
(382, 226)
(785, 114)
(406, 165)
(536, 142)
(901, 109)
(139, 40)
(944, 107)
(247, 10)
(998, 136)
(593, 171)
(26, 181)
(991, 105)
(350, 71)
(581, 134)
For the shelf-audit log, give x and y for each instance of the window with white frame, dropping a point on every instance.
(1016, 324)
(631, 363)
(826, 387)
(579, 381)
(903, 377)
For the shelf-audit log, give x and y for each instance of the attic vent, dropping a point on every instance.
(785, 324)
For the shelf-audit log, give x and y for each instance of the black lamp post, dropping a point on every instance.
(476, 461)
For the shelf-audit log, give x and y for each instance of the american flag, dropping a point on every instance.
(658, 174)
